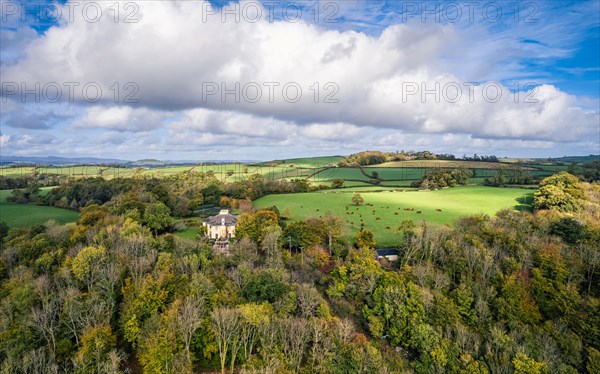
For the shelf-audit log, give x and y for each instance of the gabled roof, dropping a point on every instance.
(224, 216)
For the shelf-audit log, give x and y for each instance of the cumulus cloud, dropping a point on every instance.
(120, 118)
(181, 69)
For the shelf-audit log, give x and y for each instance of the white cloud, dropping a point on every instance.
(4, 139)
(120, 118)
(172, 53)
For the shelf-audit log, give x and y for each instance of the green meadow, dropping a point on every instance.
(389, 206)
(27, 215)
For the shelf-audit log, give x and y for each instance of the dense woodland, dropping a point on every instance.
(518, 292)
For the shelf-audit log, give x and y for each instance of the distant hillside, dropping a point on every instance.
(577, 159)
(554, 160)
(307, 161)
(53, 160)
(72, 161)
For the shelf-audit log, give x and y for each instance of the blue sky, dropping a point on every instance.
(364, 55)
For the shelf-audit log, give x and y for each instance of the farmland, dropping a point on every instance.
(27, 215)
(316, 170)
(390, 206)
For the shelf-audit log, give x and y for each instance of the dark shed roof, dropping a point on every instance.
(387, 252)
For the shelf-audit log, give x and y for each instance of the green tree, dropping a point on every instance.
(569, 230)
(157, 216)
(264, 287)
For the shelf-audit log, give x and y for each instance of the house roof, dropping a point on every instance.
(224, 216)
(387, 252)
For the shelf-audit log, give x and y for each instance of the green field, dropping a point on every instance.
(391, 175)
(454, 203)
(546, 161)
(26, 215)
(443, 164)
(316, 170)
(311, 162)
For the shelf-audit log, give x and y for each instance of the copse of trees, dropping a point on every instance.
(366, 158)
(591, 171)
(41, 180)
(483, 158)
(505, 176)
(441, 178)
(376, 157)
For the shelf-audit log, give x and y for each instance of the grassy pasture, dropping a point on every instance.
(443, 164)
(395, 175)
(311, 162)
(389, 206)
(26, 215)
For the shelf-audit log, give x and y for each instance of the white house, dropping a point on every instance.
(221, 226)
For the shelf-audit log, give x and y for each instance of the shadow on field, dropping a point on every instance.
(525, 203)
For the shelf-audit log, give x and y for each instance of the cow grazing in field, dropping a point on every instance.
(438, 210)
(418, 212)
(396, 213)
(377, 218)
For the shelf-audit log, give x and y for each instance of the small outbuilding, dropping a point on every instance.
(390, 254)
(221, 226)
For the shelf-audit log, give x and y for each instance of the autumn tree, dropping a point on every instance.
(253, 317)
(357, 199)
(365, 239)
